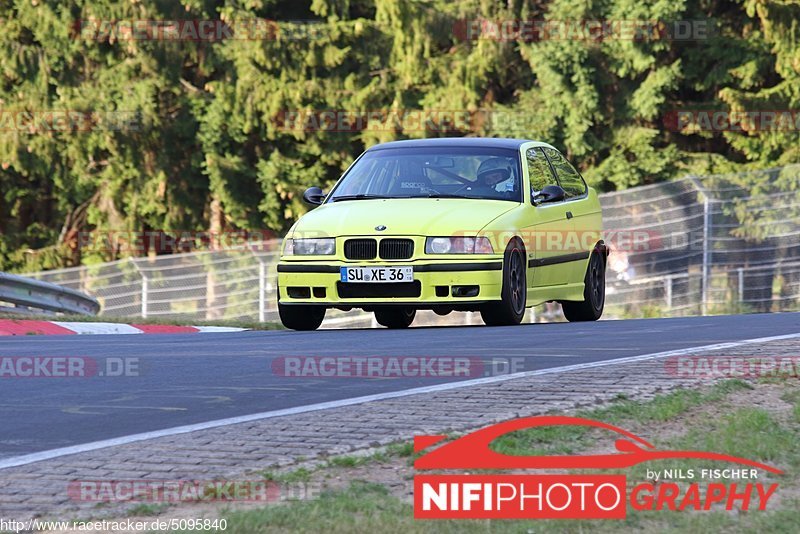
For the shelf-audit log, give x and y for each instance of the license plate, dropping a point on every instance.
(368, 275)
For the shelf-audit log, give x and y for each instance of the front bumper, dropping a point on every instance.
(436, 284)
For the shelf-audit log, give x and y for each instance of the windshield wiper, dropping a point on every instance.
(358, 197)
(440, 195)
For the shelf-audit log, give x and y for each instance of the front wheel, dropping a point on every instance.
(594, 294)
(301, 317)
(395, 317)
(511, 308)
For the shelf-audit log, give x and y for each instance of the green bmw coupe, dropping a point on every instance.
(461, 224)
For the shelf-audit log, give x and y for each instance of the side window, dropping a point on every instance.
(539, 170)
(568, 178)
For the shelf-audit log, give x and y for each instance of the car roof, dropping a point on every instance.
(482, 142)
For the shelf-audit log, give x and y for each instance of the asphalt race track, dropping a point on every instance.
(193, 378)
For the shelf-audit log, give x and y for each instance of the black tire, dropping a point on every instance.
(511, 308)
(399, 317)
(594, 293)
(301, 317)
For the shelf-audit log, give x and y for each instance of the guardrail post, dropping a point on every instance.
(740, 273)
(144, 288)
(668, 290)
(706, 243)
(144, 295)
(262, 285)
(706, 253)
(262, 290)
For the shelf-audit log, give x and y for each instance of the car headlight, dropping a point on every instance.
(310, 247)
(458, 245)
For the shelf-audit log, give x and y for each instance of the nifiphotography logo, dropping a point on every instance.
(573, 496)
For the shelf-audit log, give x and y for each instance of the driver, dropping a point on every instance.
(490, 173)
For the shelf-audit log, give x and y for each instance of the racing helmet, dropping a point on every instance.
(491, 166)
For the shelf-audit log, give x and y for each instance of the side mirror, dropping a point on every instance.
(314, 196)
(550, 193)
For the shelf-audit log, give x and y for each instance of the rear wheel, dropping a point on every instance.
(399, 317)
(594, 294)
(511, 308)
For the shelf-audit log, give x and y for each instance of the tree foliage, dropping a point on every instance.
(208, 147)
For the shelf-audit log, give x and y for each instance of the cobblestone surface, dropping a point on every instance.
(236, 451)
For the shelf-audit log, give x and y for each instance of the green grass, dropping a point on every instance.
(394, 450)
(180, 321)
(362, 508)
(548, 440)
(665, 407)
(147, 510)
(288, 477)
(355, 461)
(365, 507)
(403, 449)
(777, 376)
(747, 432)
(793, 398)
(568, 439)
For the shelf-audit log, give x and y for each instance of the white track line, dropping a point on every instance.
(124, 440)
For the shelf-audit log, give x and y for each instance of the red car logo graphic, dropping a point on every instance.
(473, 452)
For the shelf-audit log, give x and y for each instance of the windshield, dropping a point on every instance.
(446, 172)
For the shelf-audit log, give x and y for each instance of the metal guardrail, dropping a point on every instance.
(30, 293)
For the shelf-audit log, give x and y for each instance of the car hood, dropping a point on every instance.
(410, 216)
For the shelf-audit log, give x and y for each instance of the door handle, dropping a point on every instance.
(569, 215)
